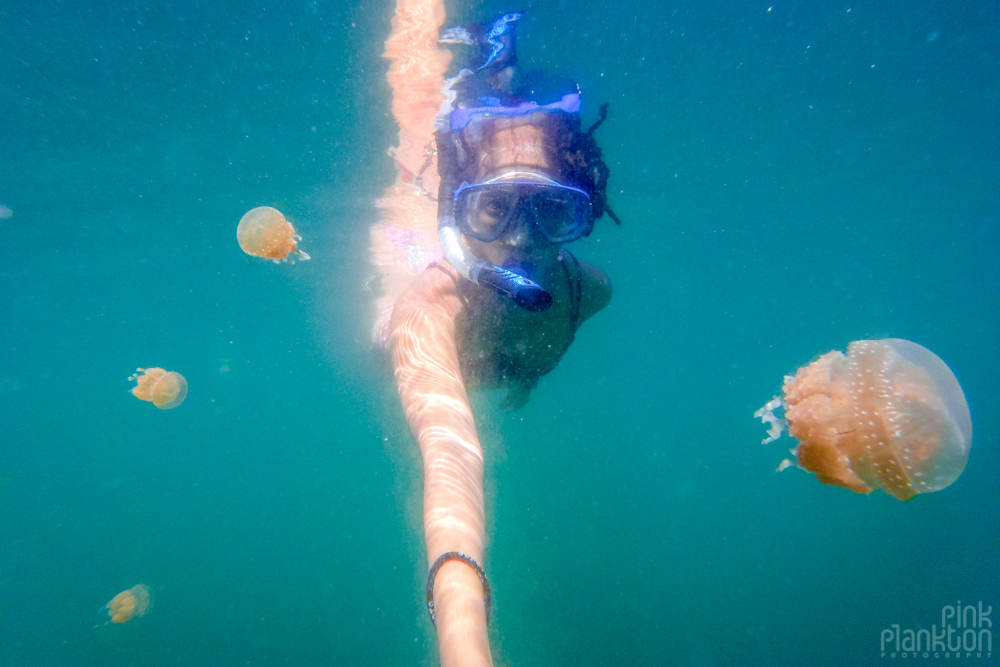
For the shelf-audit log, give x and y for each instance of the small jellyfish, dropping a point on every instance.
(130, 604)
(264, 232)
(165, 389)
(889, 415)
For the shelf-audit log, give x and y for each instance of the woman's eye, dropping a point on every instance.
(493, 206)
(549, 208)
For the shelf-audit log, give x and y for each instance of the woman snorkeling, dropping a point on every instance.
(519, 179)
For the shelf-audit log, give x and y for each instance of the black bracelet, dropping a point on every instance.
(468, 560)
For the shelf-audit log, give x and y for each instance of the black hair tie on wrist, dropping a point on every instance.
(468, 560)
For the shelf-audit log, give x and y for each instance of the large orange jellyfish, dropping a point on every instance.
(888, 415)
(166, 389)
(264, 232)
(130, 604)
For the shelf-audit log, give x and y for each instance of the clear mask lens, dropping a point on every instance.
(488, 212)
(556, 213)
(485, 211)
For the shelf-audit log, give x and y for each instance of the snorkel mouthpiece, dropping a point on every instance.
(521, 290)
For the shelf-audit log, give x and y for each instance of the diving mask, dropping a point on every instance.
(486, 211)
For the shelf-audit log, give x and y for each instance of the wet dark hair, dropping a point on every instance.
(464, 155)
(582, 164)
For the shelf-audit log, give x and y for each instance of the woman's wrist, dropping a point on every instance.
(461, 616)
(462, 558)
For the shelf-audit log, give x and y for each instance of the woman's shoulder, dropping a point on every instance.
(595, 293)
(435, 287)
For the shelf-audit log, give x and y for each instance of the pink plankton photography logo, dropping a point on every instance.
(966, 632)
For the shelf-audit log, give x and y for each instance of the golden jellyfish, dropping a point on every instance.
(264, 232)
(130, 604)
(890, 414)
(166, 389)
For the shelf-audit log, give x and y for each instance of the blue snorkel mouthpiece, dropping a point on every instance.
(520, 289)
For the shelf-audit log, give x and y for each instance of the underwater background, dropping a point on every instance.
(791, 177)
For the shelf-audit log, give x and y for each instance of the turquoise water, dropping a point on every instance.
(791, 178)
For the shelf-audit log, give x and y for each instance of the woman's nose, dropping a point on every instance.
(523, 231)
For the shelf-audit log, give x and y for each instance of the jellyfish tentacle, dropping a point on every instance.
(767, 416)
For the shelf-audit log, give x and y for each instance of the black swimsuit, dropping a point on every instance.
(504, 367)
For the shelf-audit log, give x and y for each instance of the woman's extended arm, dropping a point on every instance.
(425, 358)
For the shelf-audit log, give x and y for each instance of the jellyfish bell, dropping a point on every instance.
(264, 232)
(890, 414)
(164, 389)
(129, 604)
